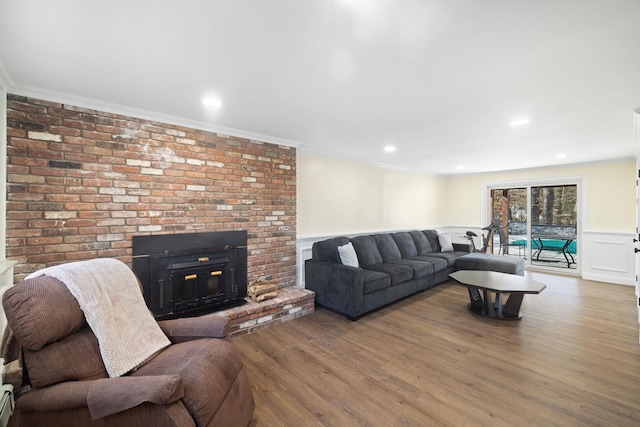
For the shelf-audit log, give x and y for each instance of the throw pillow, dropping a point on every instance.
(445, 242)
(348, 255)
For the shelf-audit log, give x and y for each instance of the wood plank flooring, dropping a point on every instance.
(572, 360)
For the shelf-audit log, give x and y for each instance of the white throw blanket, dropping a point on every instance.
(109, 295)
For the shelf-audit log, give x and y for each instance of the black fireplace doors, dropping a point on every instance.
(191, 274)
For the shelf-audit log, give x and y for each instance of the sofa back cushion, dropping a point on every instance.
(76, 357)
(327, 250)
(387, 247)
(432, 236)
(405, 243)
(42, 301)
(367, 250)
(49, 325)
(423, 247)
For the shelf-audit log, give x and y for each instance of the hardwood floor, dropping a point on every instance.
(572, 360)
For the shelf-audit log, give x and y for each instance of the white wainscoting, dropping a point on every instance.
(458, 234)
(608, 257)
(604, 256)
(303, 249)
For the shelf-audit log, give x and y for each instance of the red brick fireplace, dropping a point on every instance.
(81, 183)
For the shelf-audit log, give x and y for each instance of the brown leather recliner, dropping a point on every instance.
(198, 380)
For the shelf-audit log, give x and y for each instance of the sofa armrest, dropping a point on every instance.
(462, 247)
(105, 396)
(337, 286)
(61, 396)
(193, 328)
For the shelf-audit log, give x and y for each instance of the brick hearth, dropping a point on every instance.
(291, 302)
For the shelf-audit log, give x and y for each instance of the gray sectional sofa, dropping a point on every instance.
(390, 266)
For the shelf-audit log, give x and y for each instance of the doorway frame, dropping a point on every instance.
(581, 183)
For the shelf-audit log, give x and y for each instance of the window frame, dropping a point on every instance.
(581, 183)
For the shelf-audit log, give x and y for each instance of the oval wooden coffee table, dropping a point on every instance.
(498, 283)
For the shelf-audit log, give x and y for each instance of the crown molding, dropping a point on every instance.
(92, 104)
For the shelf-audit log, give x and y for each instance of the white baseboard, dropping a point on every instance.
(608, 279)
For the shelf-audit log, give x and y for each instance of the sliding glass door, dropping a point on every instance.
(536, 222)
(509, 215)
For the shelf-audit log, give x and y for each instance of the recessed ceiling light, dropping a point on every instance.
(561, 156)
(460, 167)
(390, 148)
(212, 102)
(519, 122)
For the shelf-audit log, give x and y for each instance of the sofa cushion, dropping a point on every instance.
(387, 247)
(438, 263)
(35, 302)
(373, 281)
(421, 268)
(74, 358)
(367, 250)
(434, 242)
(327, 250)
(348, 255)
(405, 243)
(450, 257)
(423, 247)
(398, 273)
(491, 262)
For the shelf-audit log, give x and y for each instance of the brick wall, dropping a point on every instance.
(82, 182)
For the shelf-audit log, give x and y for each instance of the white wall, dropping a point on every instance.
(337, 197)
(342, 197)
(608, 218)
(610, 192)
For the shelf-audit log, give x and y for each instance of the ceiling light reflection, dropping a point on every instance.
(520, 122)
(212, 102)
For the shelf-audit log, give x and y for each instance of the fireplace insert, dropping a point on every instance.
(191, 274)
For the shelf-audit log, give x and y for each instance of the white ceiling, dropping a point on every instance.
(439, 79)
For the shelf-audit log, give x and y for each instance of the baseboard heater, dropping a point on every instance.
(6, 404)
